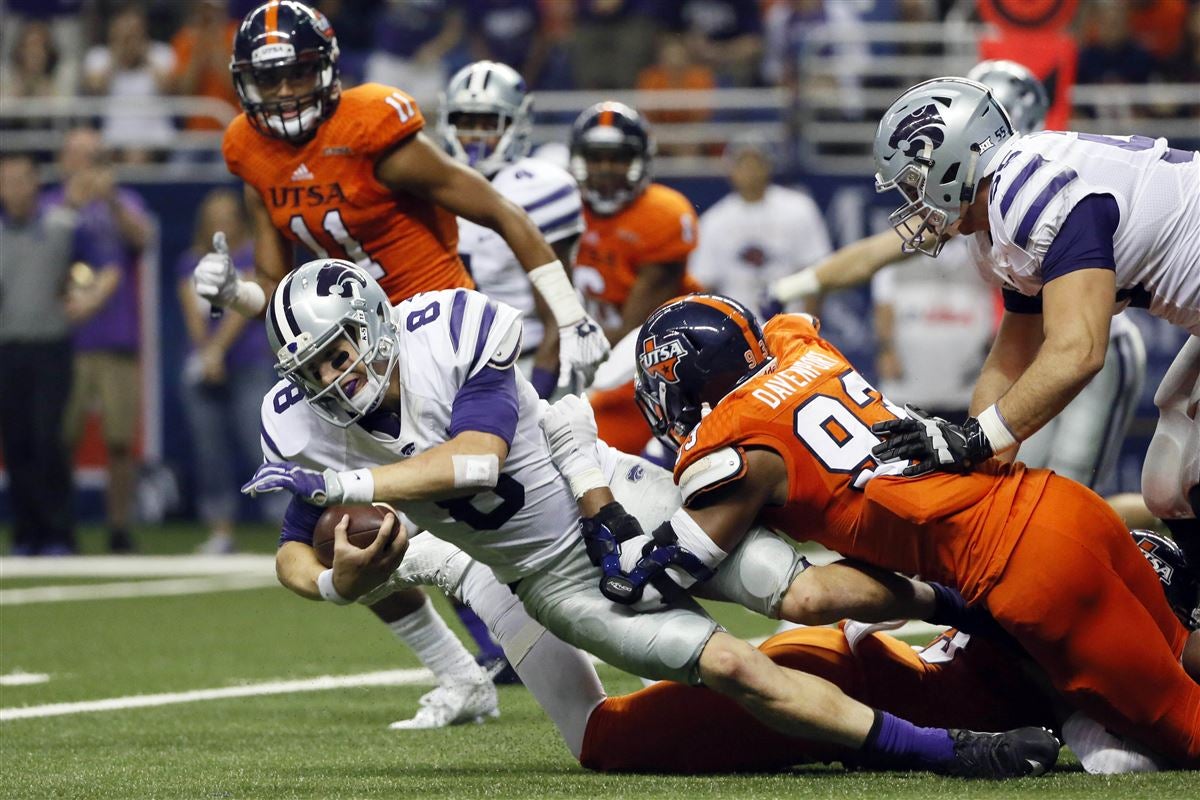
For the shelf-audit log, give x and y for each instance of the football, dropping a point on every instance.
(364, 525)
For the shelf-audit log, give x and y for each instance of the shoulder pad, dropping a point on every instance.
(712, 471)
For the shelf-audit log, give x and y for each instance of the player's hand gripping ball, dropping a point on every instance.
(365, 522)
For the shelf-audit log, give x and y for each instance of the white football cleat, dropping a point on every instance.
(429, 561)
(453, 704)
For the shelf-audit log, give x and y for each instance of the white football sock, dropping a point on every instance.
(560, 677)
(437, 647)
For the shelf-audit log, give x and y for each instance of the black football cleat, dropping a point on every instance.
(1020, 753)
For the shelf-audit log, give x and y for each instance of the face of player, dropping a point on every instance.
(288, 82)
(608, 170)
(479, 134)
(357, 382)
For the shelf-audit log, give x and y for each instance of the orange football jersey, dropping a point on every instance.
(323, 194)
(659, 227)
(816, 411)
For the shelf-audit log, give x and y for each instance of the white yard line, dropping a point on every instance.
(135, 566)
(19, 678)
(393, 677)
(126, 589)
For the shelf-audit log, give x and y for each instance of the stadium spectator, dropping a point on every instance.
(412, 40)
(37, 248)
(227, 372)
(613, 40)
(757, 233)
(511, 32)
(133, 72)
(202, 49)
(65, 20)
(352, 21)
(34, 68)
(726, 35)
(113, 220)
(675, 70)
(1113, 55)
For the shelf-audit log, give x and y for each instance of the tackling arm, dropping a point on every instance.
(1077, 312)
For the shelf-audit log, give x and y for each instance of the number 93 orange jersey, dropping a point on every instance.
(813, 409)
(323, 194)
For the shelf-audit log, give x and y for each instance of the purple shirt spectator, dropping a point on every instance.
(115, 326)
(251, 347)
(402, 28)
(718, 20)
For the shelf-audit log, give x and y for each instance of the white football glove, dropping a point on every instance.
(582, 348)
(215, 278)
(570, 430)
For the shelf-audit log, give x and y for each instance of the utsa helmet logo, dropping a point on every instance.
(1149, 550)
(923, 125)
(661, 359)
(339, 279)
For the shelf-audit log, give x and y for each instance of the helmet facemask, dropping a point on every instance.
(670, 416)
(922, 228)
(495, 93)
(608, 200)
(294, 119)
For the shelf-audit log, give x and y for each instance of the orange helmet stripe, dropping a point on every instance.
(606, 117)
(272, 22)
(734, 313)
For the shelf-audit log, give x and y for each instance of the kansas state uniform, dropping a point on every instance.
(550, 197)
(527, 528)
(1042, 177)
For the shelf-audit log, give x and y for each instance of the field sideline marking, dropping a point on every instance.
(391, 677)
(135, 566)
(127, 589)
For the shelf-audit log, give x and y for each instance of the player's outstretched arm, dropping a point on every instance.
(1076, 314)
(852, 265)
(418, 167)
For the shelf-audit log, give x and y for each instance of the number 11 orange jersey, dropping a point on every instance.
(813, 409)
(323, 194)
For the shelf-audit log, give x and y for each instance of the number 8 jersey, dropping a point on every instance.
(449, 342)
(816, 412)
(323, 193)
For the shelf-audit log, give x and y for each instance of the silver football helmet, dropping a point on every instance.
(318, 305)
(934, 144)
(1018, 90)
(491, 89)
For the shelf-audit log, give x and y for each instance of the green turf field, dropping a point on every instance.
(332, 743)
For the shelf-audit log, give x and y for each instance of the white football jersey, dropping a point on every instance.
(446, 338)
(1040, 179)
(744, 247)
(551, 198)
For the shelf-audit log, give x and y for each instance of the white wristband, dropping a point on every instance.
(585, 481)
(794, 287)
(998, 434)
(250, 300)
(328, 592)
(552, 284)
(358, 486)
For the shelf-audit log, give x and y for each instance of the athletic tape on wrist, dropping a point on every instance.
(998, 434)
(584, 482)
(794, 287)
(693, 538)
(250, 299)
(327, 590)
(358, 486)
(552, 284)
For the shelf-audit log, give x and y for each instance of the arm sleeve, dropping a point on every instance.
(1085, 239)
(1019, 303)
(299, 522)
(487, 402)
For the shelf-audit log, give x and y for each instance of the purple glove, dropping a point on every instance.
(318, 488)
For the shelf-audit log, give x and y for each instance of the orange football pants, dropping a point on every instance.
(1088, 608)
(670, 727)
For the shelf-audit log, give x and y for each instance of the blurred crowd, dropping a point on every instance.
(155, 48)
